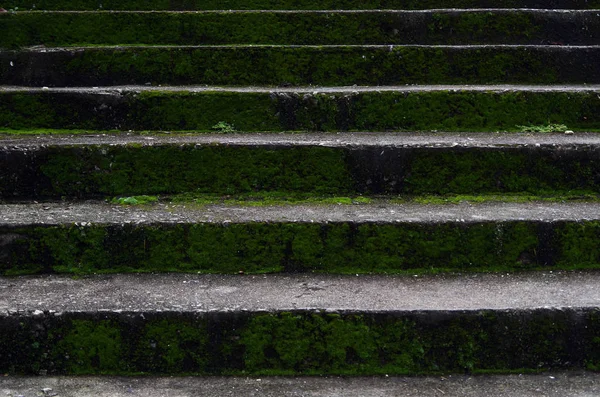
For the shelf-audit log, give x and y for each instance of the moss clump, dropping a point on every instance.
(291, 343)
(91, 347)
(167, 346)
(135, 200)
(213, 169)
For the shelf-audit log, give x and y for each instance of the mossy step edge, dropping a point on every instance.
(275, 109)
(389, 239)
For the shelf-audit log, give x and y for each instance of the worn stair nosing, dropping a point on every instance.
(332, 11)
(441, 140)
(44, 49)
(122, 89)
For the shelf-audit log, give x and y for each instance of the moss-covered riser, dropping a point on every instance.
(103, 170)
(345, 247)
(299, 66)
(290, 4)
(287, 111)
(290, 343)
(444, 27)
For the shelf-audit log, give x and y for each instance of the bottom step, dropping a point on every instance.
(556, 384)
(299, 324)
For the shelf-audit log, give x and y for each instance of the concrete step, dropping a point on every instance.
(485, 26)
(299, 324)
(551, 384)
(381, 237)
(292, 4)
(300, 65)
(421, 107)
(336, 164)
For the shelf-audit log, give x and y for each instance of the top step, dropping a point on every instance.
(291, 4)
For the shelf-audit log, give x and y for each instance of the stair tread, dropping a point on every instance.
(313, 89)
(551, 384)
(274, 293)
(340, 139)
(90, 212)
(103, 47)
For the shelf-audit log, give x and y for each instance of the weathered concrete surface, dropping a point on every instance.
(227, 293)
(92, 212)
(580, 140)
(553, 384)
(122, 89)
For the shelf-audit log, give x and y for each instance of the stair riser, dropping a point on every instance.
(291, 4)
(443, 27)
(99, 171)
(332, 66)
(340, 247)
(285, 111)
(299, 342)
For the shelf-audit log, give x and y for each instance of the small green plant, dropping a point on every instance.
(223, 127)
(134, 200)
(543, 128)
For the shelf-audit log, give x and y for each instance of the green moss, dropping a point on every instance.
(91, 347)
(543, 128)
(168, 346)
(290, 343)
(579, 242)
(181, 110)
(346, 248)
(592, 339)
(203, 169)
(464, 171)
(469, 110)
(135, 200)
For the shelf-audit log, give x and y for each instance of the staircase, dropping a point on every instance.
(260, 188)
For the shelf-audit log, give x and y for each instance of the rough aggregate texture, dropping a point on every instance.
(552, 384)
